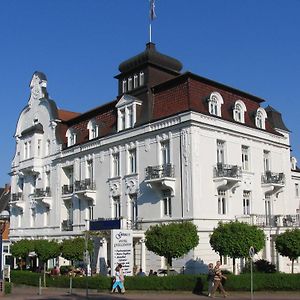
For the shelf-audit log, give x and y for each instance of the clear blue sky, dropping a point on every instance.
(252, 45)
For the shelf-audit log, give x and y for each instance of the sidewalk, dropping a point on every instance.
(31, 293)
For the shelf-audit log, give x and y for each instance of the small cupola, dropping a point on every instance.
(146, 69)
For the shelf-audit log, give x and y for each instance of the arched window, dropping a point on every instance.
(239, 111)
(71, 137)
(215, 102)
(93, 128)
(260, 118)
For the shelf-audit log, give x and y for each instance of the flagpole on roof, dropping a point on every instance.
(152, 16)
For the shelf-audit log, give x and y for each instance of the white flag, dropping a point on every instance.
(152, 10)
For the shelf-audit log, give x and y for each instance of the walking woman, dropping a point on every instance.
(218, 281)
(210, 278)
(118, 284)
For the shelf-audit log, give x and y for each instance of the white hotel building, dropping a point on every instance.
(172, 146)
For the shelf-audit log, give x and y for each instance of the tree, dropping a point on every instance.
(21, 249)
(73, 249)
(172, 240)
(45, 250)
(235, 238)
(288, 244)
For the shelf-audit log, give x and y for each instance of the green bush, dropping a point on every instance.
(195, 283)
(7, 287)
(64, 270)
(261, 265)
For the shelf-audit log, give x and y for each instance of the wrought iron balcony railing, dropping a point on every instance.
(16, 197)
(230, 171)
(162, 171)
(83, 185)
(66, 225)
(42, 192)
(67, 189)
(273, 178)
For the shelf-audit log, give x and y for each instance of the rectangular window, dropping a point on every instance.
(48, 147)
(167, 204)
(245, 158)
(246, 202)
(130, 117)
(165, 152)
(221, 202)
(89, 170)
(142, 79)
(132, 161)
(134, 208)
(25, 150)
(267, 162)
(220, 152)
(122, 119)
(91, 213)
(135, 81)
(129, 84)
(124, 86)
(29, 149)
(47, 179)
(297, 189)
(116, 208)
(116, 165)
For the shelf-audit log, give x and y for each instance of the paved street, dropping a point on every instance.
(28, 293)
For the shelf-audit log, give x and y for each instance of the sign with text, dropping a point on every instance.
(122, 250)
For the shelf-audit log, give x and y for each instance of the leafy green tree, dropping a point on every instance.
(73, 249)
(172, 240)
(235, 238)
(45, 250)
(21, 249)
(288, 244)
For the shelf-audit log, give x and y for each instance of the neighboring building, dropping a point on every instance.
(172, 146)
(4, 218)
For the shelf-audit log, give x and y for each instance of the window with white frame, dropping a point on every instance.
(268, 209)
(124, 86)
(167, 204)
(129, 83)
(25, 150)
(132, 161)
(215, 102)
(116, 213)
(260, 118)
(130, 116)
(246, 202)
(267, 161)
(245, 158)
(135, 81)
(297, 189)
(133, 208)
(115, 165)
(39, 147)
(71, 137)
(239, 111)
(91, 213)
(165, 152)
(222, 205)
(220, 152)
(142, 78)
(47, 179)
(93, 128)
(90, 170)
(122, 119)
(48, 145)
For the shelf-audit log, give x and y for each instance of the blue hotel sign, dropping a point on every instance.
(105, 224)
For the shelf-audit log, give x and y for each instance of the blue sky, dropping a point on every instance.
(252, 45)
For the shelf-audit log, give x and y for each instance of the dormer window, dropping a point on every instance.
(260, 118)
(239, 111)
(93, 128)
(215, 102)
(127, 111)
(71, 136)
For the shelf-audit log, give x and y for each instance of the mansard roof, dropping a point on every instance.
(275, 118)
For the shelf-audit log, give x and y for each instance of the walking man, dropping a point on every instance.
(218, 280)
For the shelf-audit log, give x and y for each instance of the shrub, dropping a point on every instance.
(64, 270)
(7, 287)
(261, 266)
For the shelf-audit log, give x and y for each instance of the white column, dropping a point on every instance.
(143, 255)
(268, 247)
(102, 258)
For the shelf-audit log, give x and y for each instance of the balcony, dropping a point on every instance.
(271, 220)
(272, 182)
(161, 177)
(43, 195)
(17, 201)
(67, 189)
(86, 190)
(67, 225)
(227, 176)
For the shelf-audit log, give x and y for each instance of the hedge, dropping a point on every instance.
(195, 283)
